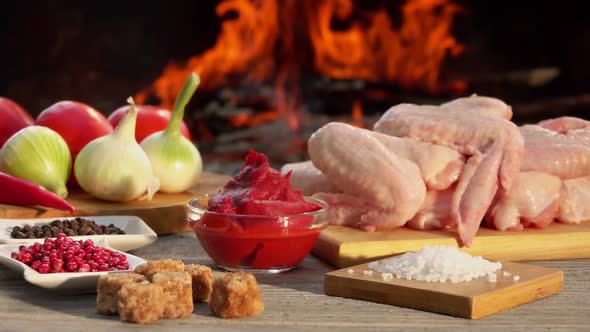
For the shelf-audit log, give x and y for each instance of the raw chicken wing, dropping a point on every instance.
(564, 124)
(363, 167)
(307, 178)
(575, 201)
(564, 155)
(533, 200)
(494, 146)
(481, 106)
(434, 213)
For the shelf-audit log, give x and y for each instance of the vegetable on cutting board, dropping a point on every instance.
(150, 119)
(114, 167)
(12, 119)
(77, 123)
(39, 155)
(19, 192)
(176, 161)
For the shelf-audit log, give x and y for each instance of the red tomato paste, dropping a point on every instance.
(255, 221)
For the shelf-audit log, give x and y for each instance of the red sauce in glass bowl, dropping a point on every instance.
(262, 247)
(257, 221)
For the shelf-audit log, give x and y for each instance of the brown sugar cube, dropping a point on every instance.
(108, 287)
(141, 303)
(202, 280)
(178, 293)
(150, 268)
(236, 295)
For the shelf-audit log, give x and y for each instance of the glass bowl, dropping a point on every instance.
(256, 243)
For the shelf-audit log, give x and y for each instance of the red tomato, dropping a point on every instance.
(150, 119)
(77, 123)
(12, 119)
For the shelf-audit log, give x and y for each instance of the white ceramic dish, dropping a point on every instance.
(59, 281)
(137, 233)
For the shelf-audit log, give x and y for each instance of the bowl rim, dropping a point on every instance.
(199, 208)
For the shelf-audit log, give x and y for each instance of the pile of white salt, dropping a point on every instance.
(437, 264)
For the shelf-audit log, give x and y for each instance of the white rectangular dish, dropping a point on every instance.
(60, 281)
(137, 233)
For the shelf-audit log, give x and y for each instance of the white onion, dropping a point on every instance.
(176, 161)
(115, 167)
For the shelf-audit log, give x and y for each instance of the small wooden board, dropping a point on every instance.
(473, 300)
(344, 246)
(165, 213)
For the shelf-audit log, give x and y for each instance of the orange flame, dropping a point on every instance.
(245, 46)
(370, 48)
(376, 51)
(357, 114)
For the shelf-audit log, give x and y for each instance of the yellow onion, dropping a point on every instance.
(115, 167)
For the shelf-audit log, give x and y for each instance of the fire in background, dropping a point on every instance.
(277, 41)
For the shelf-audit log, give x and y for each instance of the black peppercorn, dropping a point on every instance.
(77, 226)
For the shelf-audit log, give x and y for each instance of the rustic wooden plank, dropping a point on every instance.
(294, 302)
(346, 246)
(474, 299)
(165, 213)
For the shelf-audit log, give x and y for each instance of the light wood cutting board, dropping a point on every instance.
(345, 246)
(165, 213)
(474, 299)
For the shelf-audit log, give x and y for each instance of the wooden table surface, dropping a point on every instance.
(294, 302)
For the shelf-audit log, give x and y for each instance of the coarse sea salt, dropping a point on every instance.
(438, 264)
(387, 276)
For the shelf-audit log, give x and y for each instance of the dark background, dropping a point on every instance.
(100, 52)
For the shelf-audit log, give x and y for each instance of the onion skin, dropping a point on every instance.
(39, 155)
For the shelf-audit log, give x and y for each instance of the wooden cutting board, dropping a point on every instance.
(164, 213)
(345, 246)
(474, 299)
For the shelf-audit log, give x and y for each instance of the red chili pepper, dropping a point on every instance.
(19, 192)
